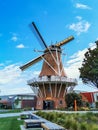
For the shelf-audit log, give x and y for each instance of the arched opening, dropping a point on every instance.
(48, 104)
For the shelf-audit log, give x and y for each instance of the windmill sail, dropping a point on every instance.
(30, 63)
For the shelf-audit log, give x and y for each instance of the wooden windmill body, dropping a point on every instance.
(52, 83)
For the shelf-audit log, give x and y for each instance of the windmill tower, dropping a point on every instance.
(52, 82)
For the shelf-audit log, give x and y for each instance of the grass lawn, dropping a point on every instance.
(10, 123)
(10, 111)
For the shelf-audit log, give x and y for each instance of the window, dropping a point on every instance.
(49, 89)
(49, 77)
(39, 103)
(60, 102)
(97, 98)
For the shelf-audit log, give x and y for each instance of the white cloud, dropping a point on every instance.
(92, 45)
(80, 27)
(14, 38)
(85, 87)
(13, 81)
(20, 46)
(72, 69)
(79, 17)
(75, 62)
(8, 74)
(82, 6)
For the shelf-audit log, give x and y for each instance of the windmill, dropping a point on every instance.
(50, 86)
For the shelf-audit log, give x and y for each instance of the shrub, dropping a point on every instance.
(67, 124)
(96, 104)
(83, 126)
(60, 121)
(84, 109)
(85, 121)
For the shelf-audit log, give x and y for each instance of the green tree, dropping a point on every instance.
(96, 104)
(89, 69)
(71, 97)
(17, 101)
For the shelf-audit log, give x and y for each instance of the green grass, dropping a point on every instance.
(10, 123)
(10, 111)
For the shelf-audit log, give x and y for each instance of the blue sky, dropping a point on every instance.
(56, 20)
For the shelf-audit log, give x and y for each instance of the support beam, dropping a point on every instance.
(55, 89)
(60, 89)
(44, 89)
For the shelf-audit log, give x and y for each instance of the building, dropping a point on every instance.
(24, 101)
(51, 85)
(19, 101)
(5, 104)
(91, 97)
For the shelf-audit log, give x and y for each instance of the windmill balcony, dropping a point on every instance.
(52, 79)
